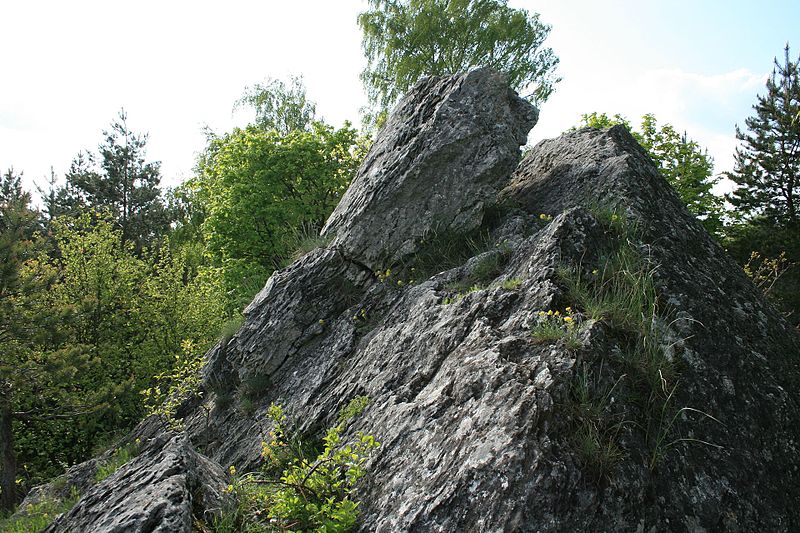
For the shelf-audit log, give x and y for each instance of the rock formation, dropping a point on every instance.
(666, 398)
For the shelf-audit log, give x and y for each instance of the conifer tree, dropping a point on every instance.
(767, 163)
(36, 385)
(122, 184)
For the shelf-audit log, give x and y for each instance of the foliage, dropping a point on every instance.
(405, 40)
(553, 326)
(121, 184)
(38, 380)
(310, 494)
(40, 515)
(687, 167)
(176, 385)
(280, 107)
(780, 250)
(101, 323)
(259, 187)
(119, 457)
(766, 271)
(767, 167)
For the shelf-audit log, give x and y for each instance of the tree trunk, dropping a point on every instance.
(8, 465)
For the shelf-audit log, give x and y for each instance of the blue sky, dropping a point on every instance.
(68, 67)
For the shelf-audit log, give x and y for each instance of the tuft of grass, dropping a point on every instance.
(119, 457)
(247, 406)
(620, 292)
(441, 250)
(461, 292)
(303, 239)
(511, 284)
(38, 516)
(223, 399)
(596, 432)
(230, 327)
(255, 386)
(553, 326)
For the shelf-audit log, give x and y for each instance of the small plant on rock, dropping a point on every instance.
(119, 457)
(312, 492)
(553, 326)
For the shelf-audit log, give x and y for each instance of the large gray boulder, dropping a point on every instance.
(686, 419)
(436, 166)
(691, 427)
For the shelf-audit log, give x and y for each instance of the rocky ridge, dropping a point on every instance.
(431, 299)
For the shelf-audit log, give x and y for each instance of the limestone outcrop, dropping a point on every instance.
(663, 396)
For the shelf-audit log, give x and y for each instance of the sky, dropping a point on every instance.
(176, 66)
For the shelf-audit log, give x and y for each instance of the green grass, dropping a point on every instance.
(511, 284)
(442, 250)
(119, 457)
(620, 292)
(304, 239)
(460, 292)
(247, 406)
(549, 331)
(553, 326)
(39, 516)
(596, 430)
(230, 327)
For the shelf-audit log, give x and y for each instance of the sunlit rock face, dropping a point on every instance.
(668, 401)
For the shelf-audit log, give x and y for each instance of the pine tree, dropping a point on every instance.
(36, 385)
(122, 185)
(767, 164)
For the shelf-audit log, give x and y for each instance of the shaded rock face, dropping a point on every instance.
(686, 419)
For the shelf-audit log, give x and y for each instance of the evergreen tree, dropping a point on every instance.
(767, 163)
(122, 184)
(36, 385)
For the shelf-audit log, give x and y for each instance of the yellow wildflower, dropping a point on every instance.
(232, 470)
(568, 309)
(567, 319)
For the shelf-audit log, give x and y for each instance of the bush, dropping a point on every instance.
(313, 491)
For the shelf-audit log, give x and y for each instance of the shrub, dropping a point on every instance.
(38, 516)
(310, 494)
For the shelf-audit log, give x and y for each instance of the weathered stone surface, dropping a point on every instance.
(477, 419)
(480, 423)
(436, 166)
(161, 490)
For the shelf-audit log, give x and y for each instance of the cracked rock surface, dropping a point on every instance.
(483, 426)
(160, 490)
